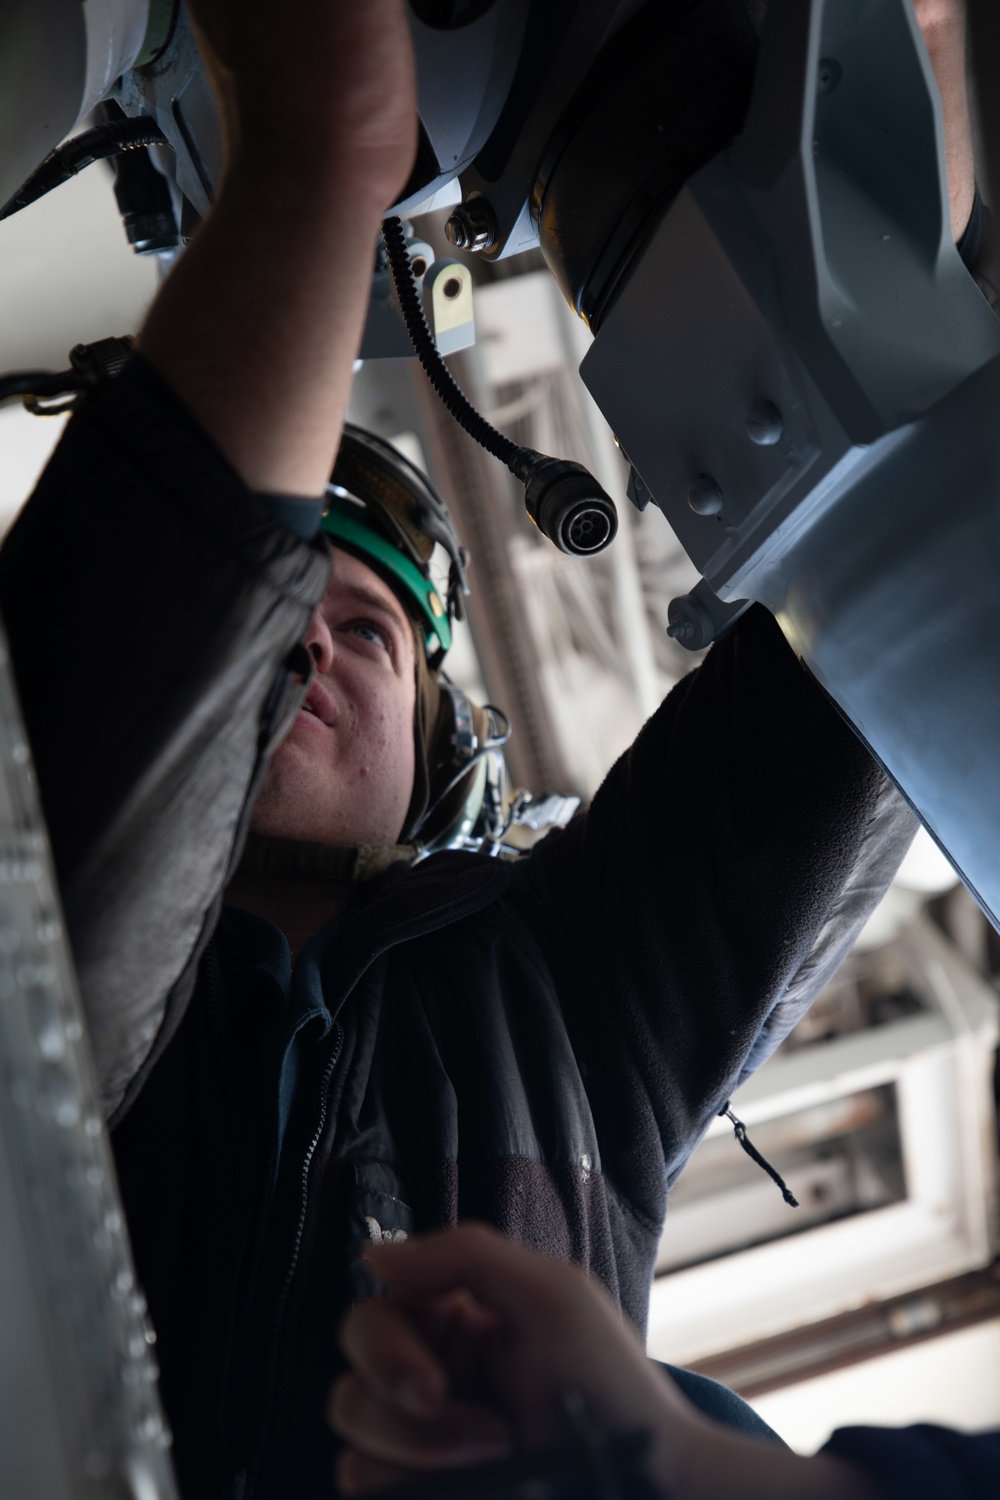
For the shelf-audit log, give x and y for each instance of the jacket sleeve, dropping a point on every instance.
(719, 876)
(151, 603)
(924, 1462)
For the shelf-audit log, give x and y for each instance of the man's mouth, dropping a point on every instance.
(318, 705)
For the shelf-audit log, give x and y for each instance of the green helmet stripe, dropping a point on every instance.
(341, 522)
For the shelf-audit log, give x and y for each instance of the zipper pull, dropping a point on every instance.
(740, 1132)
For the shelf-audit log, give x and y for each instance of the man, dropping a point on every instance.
(540, 1046)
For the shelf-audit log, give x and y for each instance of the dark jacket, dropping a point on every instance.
(539, 1045)
(924, 1462)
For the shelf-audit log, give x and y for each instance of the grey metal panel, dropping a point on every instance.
(174, 91)
(891, 594)
(463, 77)
(798, 271)
(842, 165)
(694, 342)
(80, 1418)
(811, 268)
(32, 1461)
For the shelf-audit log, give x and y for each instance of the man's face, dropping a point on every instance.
(344, 773)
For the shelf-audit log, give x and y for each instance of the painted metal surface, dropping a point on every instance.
(811, 268)
(80, 1417)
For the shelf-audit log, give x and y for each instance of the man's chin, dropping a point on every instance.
(297, 801)
(291, 795)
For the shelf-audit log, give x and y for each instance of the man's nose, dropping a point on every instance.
(319, 642)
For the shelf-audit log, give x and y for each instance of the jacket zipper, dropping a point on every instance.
(247, 1477)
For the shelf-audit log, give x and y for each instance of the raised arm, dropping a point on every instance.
(151, 589)
(734, 852)
(258, 326)
(719, 875)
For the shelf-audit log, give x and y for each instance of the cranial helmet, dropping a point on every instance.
(385, 512)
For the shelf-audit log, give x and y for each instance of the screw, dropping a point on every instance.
(681, 629)
(472, 226)
(828, 74)
(705, 496)
(689, 623)
(765, 424)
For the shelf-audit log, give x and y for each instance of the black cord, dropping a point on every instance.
(40, 384)
(565, 502)
(519, 460)
(90, 363)
(93, 145)
(491, 746)
(740, 1132)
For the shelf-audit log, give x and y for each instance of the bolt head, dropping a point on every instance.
(472, 226)
(705, 496)
(456, 232)
(681, 629)
(765, 424)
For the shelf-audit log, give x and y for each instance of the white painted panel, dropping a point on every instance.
(67, 274)
(519, 327)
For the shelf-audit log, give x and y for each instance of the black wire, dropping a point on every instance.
(93, 145)
(740, 1132)
(52, 406)
(40, 383)
(519, 460)
(491, 746)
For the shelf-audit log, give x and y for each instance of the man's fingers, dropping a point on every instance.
(501, 1275)
(558, 1331)
(357, 1474)
(464, 1432)
(388, 1352)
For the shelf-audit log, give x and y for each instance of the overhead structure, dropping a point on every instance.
(804, 376)
(788, 347)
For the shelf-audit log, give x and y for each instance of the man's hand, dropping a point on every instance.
(316, 82)
(258, 327)
(474, 1351)
(472, 1355)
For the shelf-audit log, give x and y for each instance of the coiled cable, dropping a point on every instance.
(565, 501)
(517, 459)
(91, 145)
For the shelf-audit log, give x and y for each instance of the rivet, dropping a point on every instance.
(828, 74)
(705, 496)
(765, 424)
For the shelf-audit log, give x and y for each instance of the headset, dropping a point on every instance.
(382, 509)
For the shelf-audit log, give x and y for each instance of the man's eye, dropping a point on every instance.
(366, 631)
